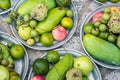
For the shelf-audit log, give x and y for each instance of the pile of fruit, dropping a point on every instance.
(8, 54)
(66, 68)
(42, 21)
(102, 35)
(113, 1)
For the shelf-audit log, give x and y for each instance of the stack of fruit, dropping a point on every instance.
(102, 35)
(7, 55)
(67, 68)
(45, 21)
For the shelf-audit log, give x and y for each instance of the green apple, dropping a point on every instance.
(24, 32)
(84, 64)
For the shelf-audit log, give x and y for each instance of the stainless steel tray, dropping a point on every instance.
(13, 4)
(88, 19)
(94, 75)
(21, 65)
(38, 46)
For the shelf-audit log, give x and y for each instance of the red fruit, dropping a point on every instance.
(97, 16)
(59, 33)
(37, 77)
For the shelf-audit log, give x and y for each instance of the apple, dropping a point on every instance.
(59, 33)
(38, 77)
(84, 64)
(97, 16)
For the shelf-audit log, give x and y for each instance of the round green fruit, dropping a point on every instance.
(88, 27)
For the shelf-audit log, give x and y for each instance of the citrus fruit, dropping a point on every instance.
(88, 27)
(84, 64)
(40, 66)
(67, 22)
(52, 56)
(17, 51)
(46, 39)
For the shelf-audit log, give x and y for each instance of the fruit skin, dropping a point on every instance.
(24, 32)
(67, 22)
(30, 42)
(114, 1)
(118, 42)
(5, 4)
(88, 27)
(27, 5)
(59, 33)
(54, 17)
(40, 66)
(84, 64)
(37, 77)
(114, 9)
(97, 16)
(57, 72)
(101, 49)
(63, 3)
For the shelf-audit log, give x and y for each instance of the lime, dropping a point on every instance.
(67, 22)
(40, 66)
(88, 27)
(30, 42)
(84, 64)
(17, 51)
(46, 39)
(52, 56)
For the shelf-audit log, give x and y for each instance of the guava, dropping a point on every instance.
(24, 32)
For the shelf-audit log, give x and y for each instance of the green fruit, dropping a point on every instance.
(33, 23)
(17, 51)
(102, 1)
(69, 13)
(111, 38)
(97, 23)
(106, 10)
(84, 64)
(67, 22)
(118, 42)
(104, 21)
(106, 16)
(9, 20)
(102, 27)
(24, 32)
(99, 49)
(5, 4)
(103, 35)
(88, 27)
(40, 66)
(115, 1)
(34, 33)
(30, 42)
(58, 71)
(95, 31)
(26, 18)
(18, 23)
(53, 56)
(37, 39)
(46, 39)
(85, 78)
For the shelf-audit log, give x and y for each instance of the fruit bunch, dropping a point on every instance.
(43, 22)
(7, 55)
(113, 1)
(105, 25)
(50, 67)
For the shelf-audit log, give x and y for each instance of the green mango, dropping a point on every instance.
(5, 4)
(58, 71)
(27, 5)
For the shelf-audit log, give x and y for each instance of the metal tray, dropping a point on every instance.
(88, 19)
(107, 2)
(21, 65)
(38, 46)
(94, 75)
(13, 4)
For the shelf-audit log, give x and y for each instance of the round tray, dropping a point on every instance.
(88, 19)
(94, 75)
(13, 4)
(38, 46)
(21, 65)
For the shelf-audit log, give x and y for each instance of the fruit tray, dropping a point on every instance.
(21, 65)
(89, 19)
(94, 75)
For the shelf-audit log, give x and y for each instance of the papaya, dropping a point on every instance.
(102, 50)
(58, 71)
(5, 4)
(27, 5)
(52, 20)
